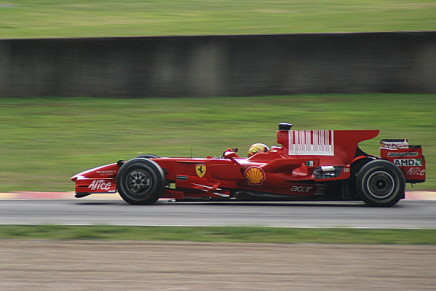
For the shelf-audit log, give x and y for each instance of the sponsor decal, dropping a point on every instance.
(311, 142)
(416, 172)
(254, 176)
(394, 144)
(200, 170)
(320, 188)
(408, 162)
(309, 163)
(301, 189)
(407, 154)
(100, 185)
(106, 172)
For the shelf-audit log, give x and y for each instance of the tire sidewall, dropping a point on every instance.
(385, 171)
(148, 156)
(149, 195)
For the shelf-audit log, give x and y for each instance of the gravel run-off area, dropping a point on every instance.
(150, 265)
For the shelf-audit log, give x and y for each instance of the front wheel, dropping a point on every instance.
(140, 181)
(148, 156)
(380, 183)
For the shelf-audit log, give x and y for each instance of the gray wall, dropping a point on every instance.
(219, 65)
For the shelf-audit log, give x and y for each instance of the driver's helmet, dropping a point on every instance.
(257, 148)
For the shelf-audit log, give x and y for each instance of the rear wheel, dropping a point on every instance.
(380, 183)
(140, 181)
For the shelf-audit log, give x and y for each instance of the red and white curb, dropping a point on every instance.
(420, 195)
(31, 195)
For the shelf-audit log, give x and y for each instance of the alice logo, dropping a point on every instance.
(254, 176)
(200, 170)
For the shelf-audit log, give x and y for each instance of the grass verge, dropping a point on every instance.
(44, 141)
(222, 234)
(83, 18)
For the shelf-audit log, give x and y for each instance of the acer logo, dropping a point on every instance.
(100, 185)
(301, 189)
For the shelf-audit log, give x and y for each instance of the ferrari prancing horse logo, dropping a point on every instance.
(200, 170)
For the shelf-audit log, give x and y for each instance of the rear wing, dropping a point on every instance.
(408, 158)
(335, 147)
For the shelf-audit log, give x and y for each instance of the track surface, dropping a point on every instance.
(406, 214)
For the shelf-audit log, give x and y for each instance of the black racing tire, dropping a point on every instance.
(140, 181)
(148, 156)
(380, 183)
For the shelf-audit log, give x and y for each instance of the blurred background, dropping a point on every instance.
(86, 83)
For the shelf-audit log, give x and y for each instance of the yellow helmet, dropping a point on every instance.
(257, 148)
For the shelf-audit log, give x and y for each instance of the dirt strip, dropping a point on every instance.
(117, 265)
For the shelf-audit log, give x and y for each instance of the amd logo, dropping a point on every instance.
(407, 162)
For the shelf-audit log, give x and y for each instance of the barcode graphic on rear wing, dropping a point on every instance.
(311, 142)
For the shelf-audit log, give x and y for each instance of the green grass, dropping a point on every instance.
(222, 234)
(83, 18)
(44, 141)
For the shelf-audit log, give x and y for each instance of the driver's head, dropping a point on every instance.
(257, 148)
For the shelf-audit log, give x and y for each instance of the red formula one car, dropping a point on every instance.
(308, 165)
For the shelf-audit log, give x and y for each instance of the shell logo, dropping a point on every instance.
(254, 176)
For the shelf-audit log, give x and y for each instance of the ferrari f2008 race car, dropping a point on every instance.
(307, 165)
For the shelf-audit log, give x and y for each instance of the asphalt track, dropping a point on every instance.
(114, 211)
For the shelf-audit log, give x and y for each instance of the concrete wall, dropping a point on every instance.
(219, 65)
